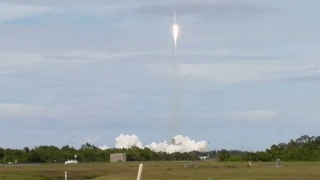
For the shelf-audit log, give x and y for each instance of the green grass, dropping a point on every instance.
(19, 177)
(166, 171)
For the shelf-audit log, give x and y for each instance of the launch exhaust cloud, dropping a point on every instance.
(182, 144)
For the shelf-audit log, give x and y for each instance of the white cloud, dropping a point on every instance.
(11, 12)
(19, 9)
(237, 71)
(11, 111)
(4, 72)
(110, 9)
(305, 114)
(252, 116)
(220, 66)
(104, 147)
(19, 61)
(32, 59)
(89, 55)
(260, 116)
(28, 60)
(63, 3)
(214, 8)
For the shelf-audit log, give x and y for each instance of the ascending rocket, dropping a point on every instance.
(175, 30)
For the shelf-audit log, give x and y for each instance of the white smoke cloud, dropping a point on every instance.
(128, 141)
(181, 144)
(104, 147)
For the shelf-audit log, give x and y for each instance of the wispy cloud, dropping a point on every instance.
(238, 71)
(262, 116)
(10, 12)
(4, 72)
(27, 111)
(220, 66)
(212, 8)
(24, 59)
(251, 116)
(27, 114)
(91, 55)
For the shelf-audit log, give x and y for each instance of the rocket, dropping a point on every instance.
(174, 17)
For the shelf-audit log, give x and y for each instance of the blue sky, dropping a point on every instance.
(77, 70)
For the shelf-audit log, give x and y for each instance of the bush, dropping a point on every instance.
(235, 158)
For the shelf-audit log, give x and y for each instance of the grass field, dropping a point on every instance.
(166, 171)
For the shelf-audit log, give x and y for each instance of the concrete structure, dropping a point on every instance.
(278, 163)
(118, 157)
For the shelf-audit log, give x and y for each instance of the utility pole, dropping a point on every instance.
(216, 155)
(242, 152)
(208, 151)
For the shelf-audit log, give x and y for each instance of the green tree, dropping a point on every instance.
(224, 155)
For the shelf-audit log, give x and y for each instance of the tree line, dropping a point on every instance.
(305, 148)
(86, 153)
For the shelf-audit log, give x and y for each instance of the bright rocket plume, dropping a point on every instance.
(175, 30)
(175, 34)
(182, 144)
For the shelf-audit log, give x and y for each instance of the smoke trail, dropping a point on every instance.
(175, 99)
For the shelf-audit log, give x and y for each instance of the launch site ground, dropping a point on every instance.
(166, 170)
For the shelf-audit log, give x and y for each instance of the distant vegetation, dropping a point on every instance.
(305, 148)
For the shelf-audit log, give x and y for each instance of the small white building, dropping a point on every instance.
(71, 161)
(204, 157)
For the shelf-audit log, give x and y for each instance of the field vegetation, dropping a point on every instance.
(167, 170)
(300, 158)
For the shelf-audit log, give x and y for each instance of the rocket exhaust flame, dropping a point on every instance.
(175, 35)
(175, 30)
